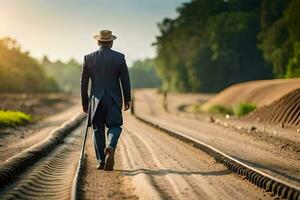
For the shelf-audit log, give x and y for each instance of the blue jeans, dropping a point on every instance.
(108, 114)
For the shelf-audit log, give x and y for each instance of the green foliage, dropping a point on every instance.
(211, 45)
(293, 69)
(243, 109)
(276, 47)
(220, 109)
(229, 34)
(66, 75)
(238, 110)
(19, 72)
(215, 43)
(143, 74)
(13, 118)
(280, 36)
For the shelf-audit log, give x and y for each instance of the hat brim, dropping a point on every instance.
(98, 37)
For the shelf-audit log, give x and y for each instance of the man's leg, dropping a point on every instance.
(113, 134)
(99, 135)
(113, 121)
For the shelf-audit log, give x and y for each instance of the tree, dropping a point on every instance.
(280, 36)
(292, 18)
(65, 74)
(143, 74)
(19, 72)
(210, 45)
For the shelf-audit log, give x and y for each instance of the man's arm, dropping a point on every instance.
(84, 84)
(125, 82)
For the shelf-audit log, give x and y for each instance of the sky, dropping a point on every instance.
(63, 29)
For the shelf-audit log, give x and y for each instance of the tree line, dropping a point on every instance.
(21, 73)
(66, 75)
(143, 74)
(215, 43)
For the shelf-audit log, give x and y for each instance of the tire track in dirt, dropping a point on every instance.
(177, 170)
(145, 186)
(13, 143)
(252, 151)
(52, 176)
(176, 182)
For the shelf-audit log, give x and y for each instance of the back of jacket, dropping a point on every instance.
(107, 70)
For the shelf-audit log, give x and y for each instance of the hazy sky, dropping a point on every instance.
(64, 28)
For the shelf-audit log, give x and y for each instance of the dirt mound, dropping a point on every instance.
(285, 111)
(260, 93)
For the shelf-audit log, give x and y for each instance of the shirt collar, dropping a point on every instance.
(102, 47)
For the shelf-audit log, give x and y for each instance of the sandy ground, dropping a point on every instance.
(175, 106)
(52, 176)
(98, 184)
(254, 149)
(13, 141)
(152, 165)
(260, 93)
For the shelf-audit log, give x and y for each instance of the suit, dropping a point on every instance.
(108, 72)
(106, 69)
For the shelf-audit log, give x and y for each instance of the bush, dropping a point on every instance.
(220, 109)
(243, 109)
(13, 118)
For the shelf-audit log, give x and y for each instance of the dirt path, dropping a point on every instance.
(98, 184)
(15, 141)
(152, 165)
(176, 170)
(244, 146)
(149, 165)
(175, 100)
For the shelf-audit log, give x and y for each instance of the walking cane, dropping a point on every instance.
(85, 133)
(77, 174)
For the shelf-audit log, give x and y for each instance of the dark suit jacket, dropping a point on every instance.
(107, 69)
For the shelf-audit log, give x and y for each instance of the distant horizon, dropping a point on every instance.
(64, 30)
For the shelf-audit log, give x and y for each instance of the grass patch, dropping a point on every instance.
(238, 110)
(13, 118)
(243, 109)
(195, 108)
(220, 109)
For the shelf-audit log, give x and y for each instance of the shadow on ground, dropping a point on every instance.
(162, 172)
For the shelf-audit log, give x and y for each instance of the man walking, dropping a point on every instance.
(106, 69)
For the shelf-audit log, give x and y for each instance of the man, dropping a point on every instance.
(107, 70)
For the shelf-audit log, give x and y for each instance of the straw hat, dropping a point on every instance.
(105, 36)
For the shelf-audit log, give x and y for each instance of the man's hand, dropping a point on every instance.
(127, 105)
(85, 108)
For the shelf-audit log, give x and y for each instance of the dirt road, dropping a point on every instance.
(243, 146)
(149, 163)
(153, 165)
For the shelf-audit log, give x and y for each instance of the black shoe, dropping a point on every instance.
(109, 159)
(101, 165)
